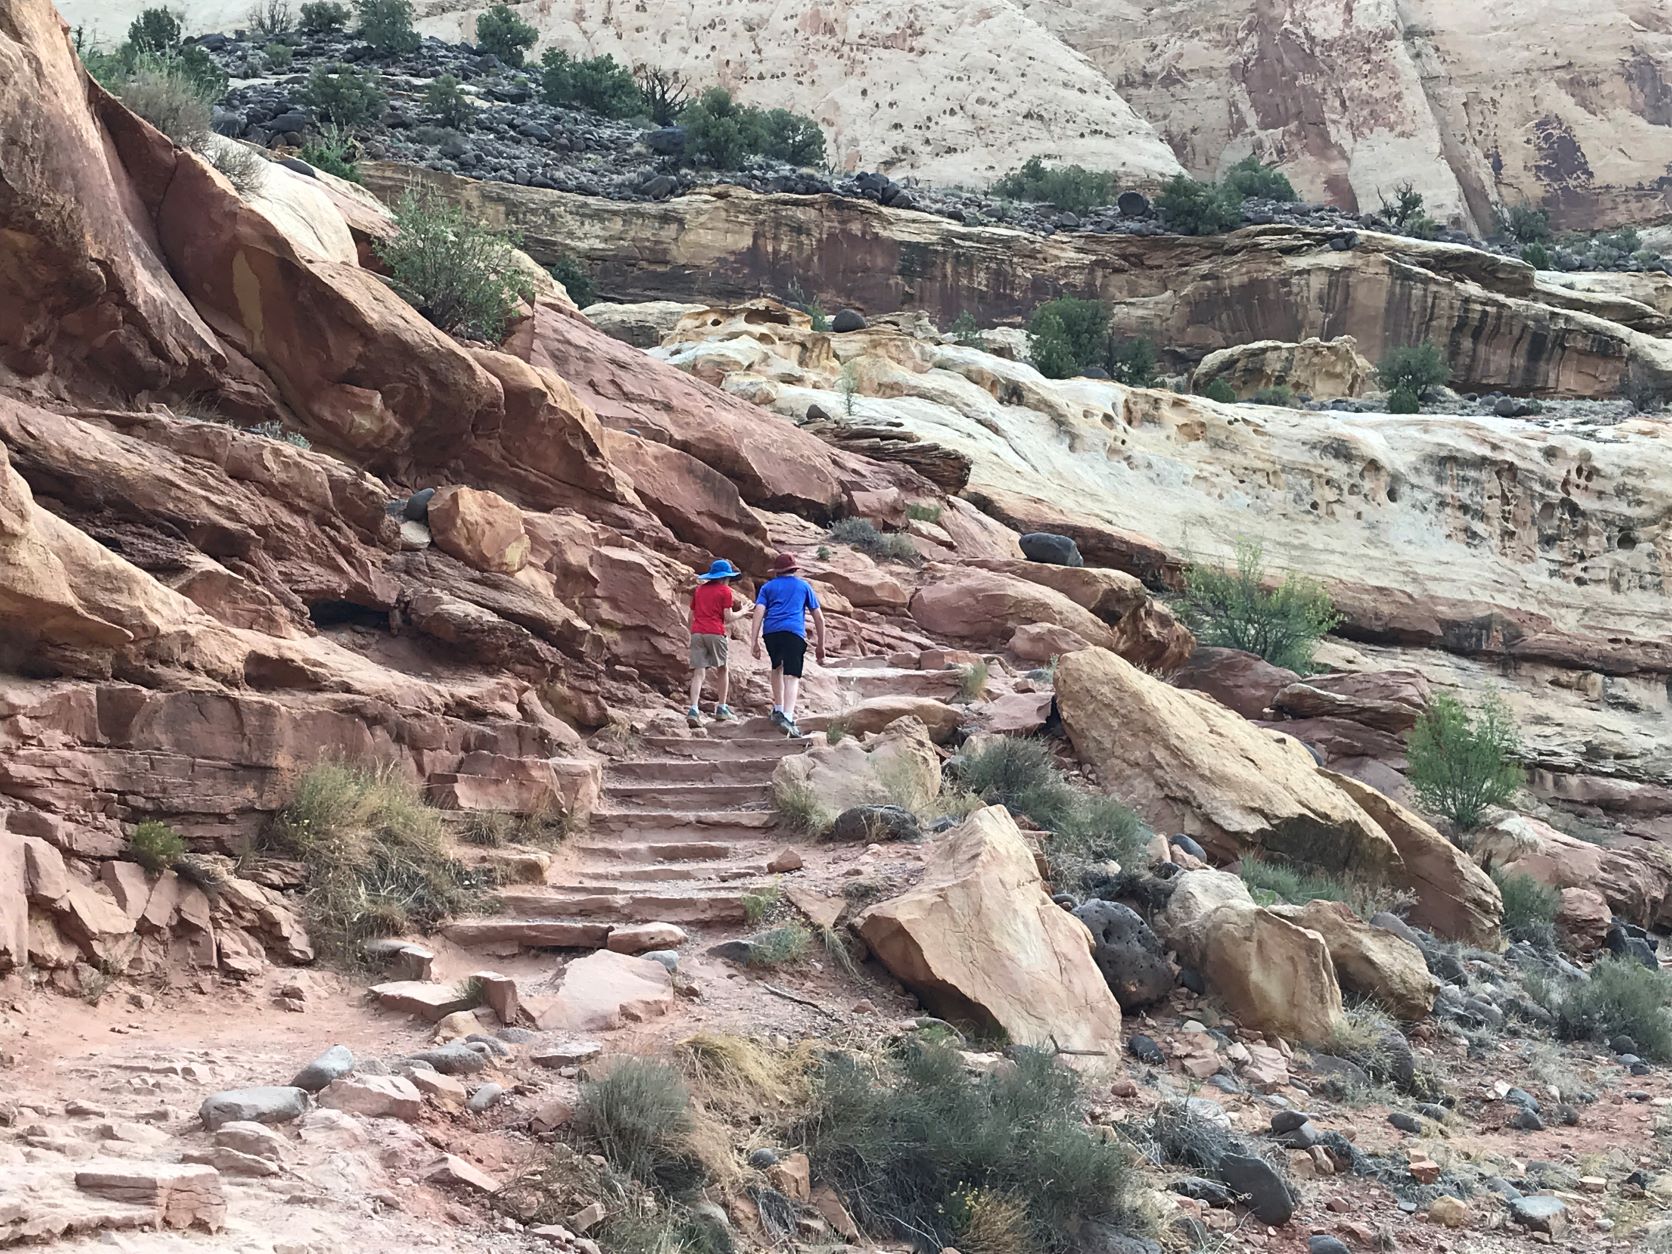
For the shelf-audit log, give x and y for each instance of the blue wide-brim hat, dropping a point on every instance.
(722, 569)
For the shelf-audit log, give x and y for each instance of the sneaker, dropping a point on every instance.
(723, 713)
(693, 716)
(793, 732)
(779, 720)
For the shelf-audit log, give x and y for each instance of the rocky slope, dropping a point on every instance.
(1498, 325)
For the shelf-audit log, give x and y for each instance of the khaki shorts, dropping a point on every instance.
(708, 651)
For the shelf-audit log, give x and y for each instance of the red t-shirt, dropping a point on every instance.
(709, 604)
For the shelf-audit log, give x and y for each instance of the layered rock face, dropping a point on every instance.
(1189, 295)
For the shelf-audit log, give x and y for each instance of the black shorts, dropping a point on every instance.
(787, 649)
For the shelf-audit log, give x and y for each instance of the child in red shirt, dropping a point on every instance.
(713, 605)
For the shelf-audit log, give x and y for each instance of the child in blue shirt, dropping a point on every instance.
(781, 608)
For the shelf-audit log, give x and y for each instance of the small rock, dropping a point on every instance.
(1424, 1170)
(453, 1170)
(275, 1104)
(784, 860)
(870, 824)
(382, 1096)
(1406, 1123)
(1527, 1121)
(1258, 1183)
(567, 1054)
(453, 1059)
(1145, 1050)
(333, 1064)
(1320, 1244)
(1540, 1213)
(847, 320)
(1449, 1211)
(485, 1098)
(554, 1113)
(639, 938)
(1287, 1121)
(1051, 549)
(665, 957)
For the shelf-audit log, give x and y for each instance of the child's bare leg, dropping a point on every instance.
(696, 684)
(722, 679)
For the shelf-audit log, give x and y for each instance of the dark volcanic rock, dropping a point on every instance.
(1130, 955)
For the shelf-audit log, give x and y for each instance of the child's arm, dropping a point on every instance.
(760, 617)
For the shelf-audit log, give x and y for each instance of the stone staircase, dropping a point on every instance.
(682, 835)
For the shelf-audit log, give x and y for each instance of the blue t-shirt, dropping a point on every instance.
(787, 599)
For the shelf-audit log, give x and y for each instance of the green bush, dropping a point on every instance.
(1621, 997)
(501, 32)
(244, 167)
(386, 25)
(568, 271)
(374, 858)
(1276, 394)
(1232, 608)
(922, 1150)
(1192, 208)
(638, 1114)
(1249, 177)
(163, 92)
(665, 93)
(1460, 764)
(920, 512)
(597, 83)
(1221, 391)
(1406, 214)
(965, 331)
(1132, 362)
(345, 95)
(863, 534)
(1529, 908)
(333, 150)
(1525, 224)
(1274, 882)
(719, 132)
(446, 102)
(784, 946)
(459, 272)
(155, 846)
(321, 17)
(798, 807)
(1082, 828)
(790, 137)
(1067, 336)
(1404, 401)
(279, 57)
(154, 31)
(1414, 369)
(1070, 187)
(1537, 256)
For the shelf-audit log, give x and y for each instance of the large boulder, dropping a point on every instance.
(1454, 897)
(980, 941)
(1244, 682)
(481, 529)
(1369, 961)
(1324, 369)
(1582, 920)
(601, 991)
(1636, 879)
(875, 713)
(984, 607)
(643, 324)
(1389, 701)
(1128, 953)
(898, 764)
(1110, 594)
(1189, 765)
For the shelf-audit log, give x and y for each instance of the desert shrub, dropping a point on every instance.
(447, 103)
(162, 92)
(1219, 390)
(501, 32)
(386, 25)
(1529, 908)
(1067, 335)
(155, 846)
(972, 682)
(790, 137)
(1274, 882)
(321, 17)
(782, 946)
(1193, 208)
(1363, 1034)
(1082, 828)
(271, 17)
(965, 331)
(154, 31)
(279, 57)
(344, 95)
(720, 132)
(376, 864)
(1621, 997)
(333, 150)
(575, 278)
(1413, 369)
(665, 93)
(1070, 187)
(456, 270)
(847, 383)
(1642, 392)
(1537, 256)
(1404, 401)
(1250, 178)
(494, 829)
(1231, 607)
(1276, 394)
(863, 534)
(913, 1142)
(1525, 224)
(762, 904)
(920, 511)
(1461, 763)
(799, 809)
(638, 1115)
(1132, 362)
(601, 84)
(1406, 214)
(244, 167)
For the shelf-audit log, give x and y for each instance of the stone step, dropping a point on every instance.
(679, 825)
(688, 797)
(893, 682)
(721, 749)
(625, 903)
(528, 933)
(641, 853)
(676, 872)
(690, 771)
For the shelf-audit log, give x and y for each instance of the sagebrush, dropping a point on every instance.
(1235, 608)
(456, 270)
(1530, 908)
(1621, 996)
(864, 535)
(155, 846)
